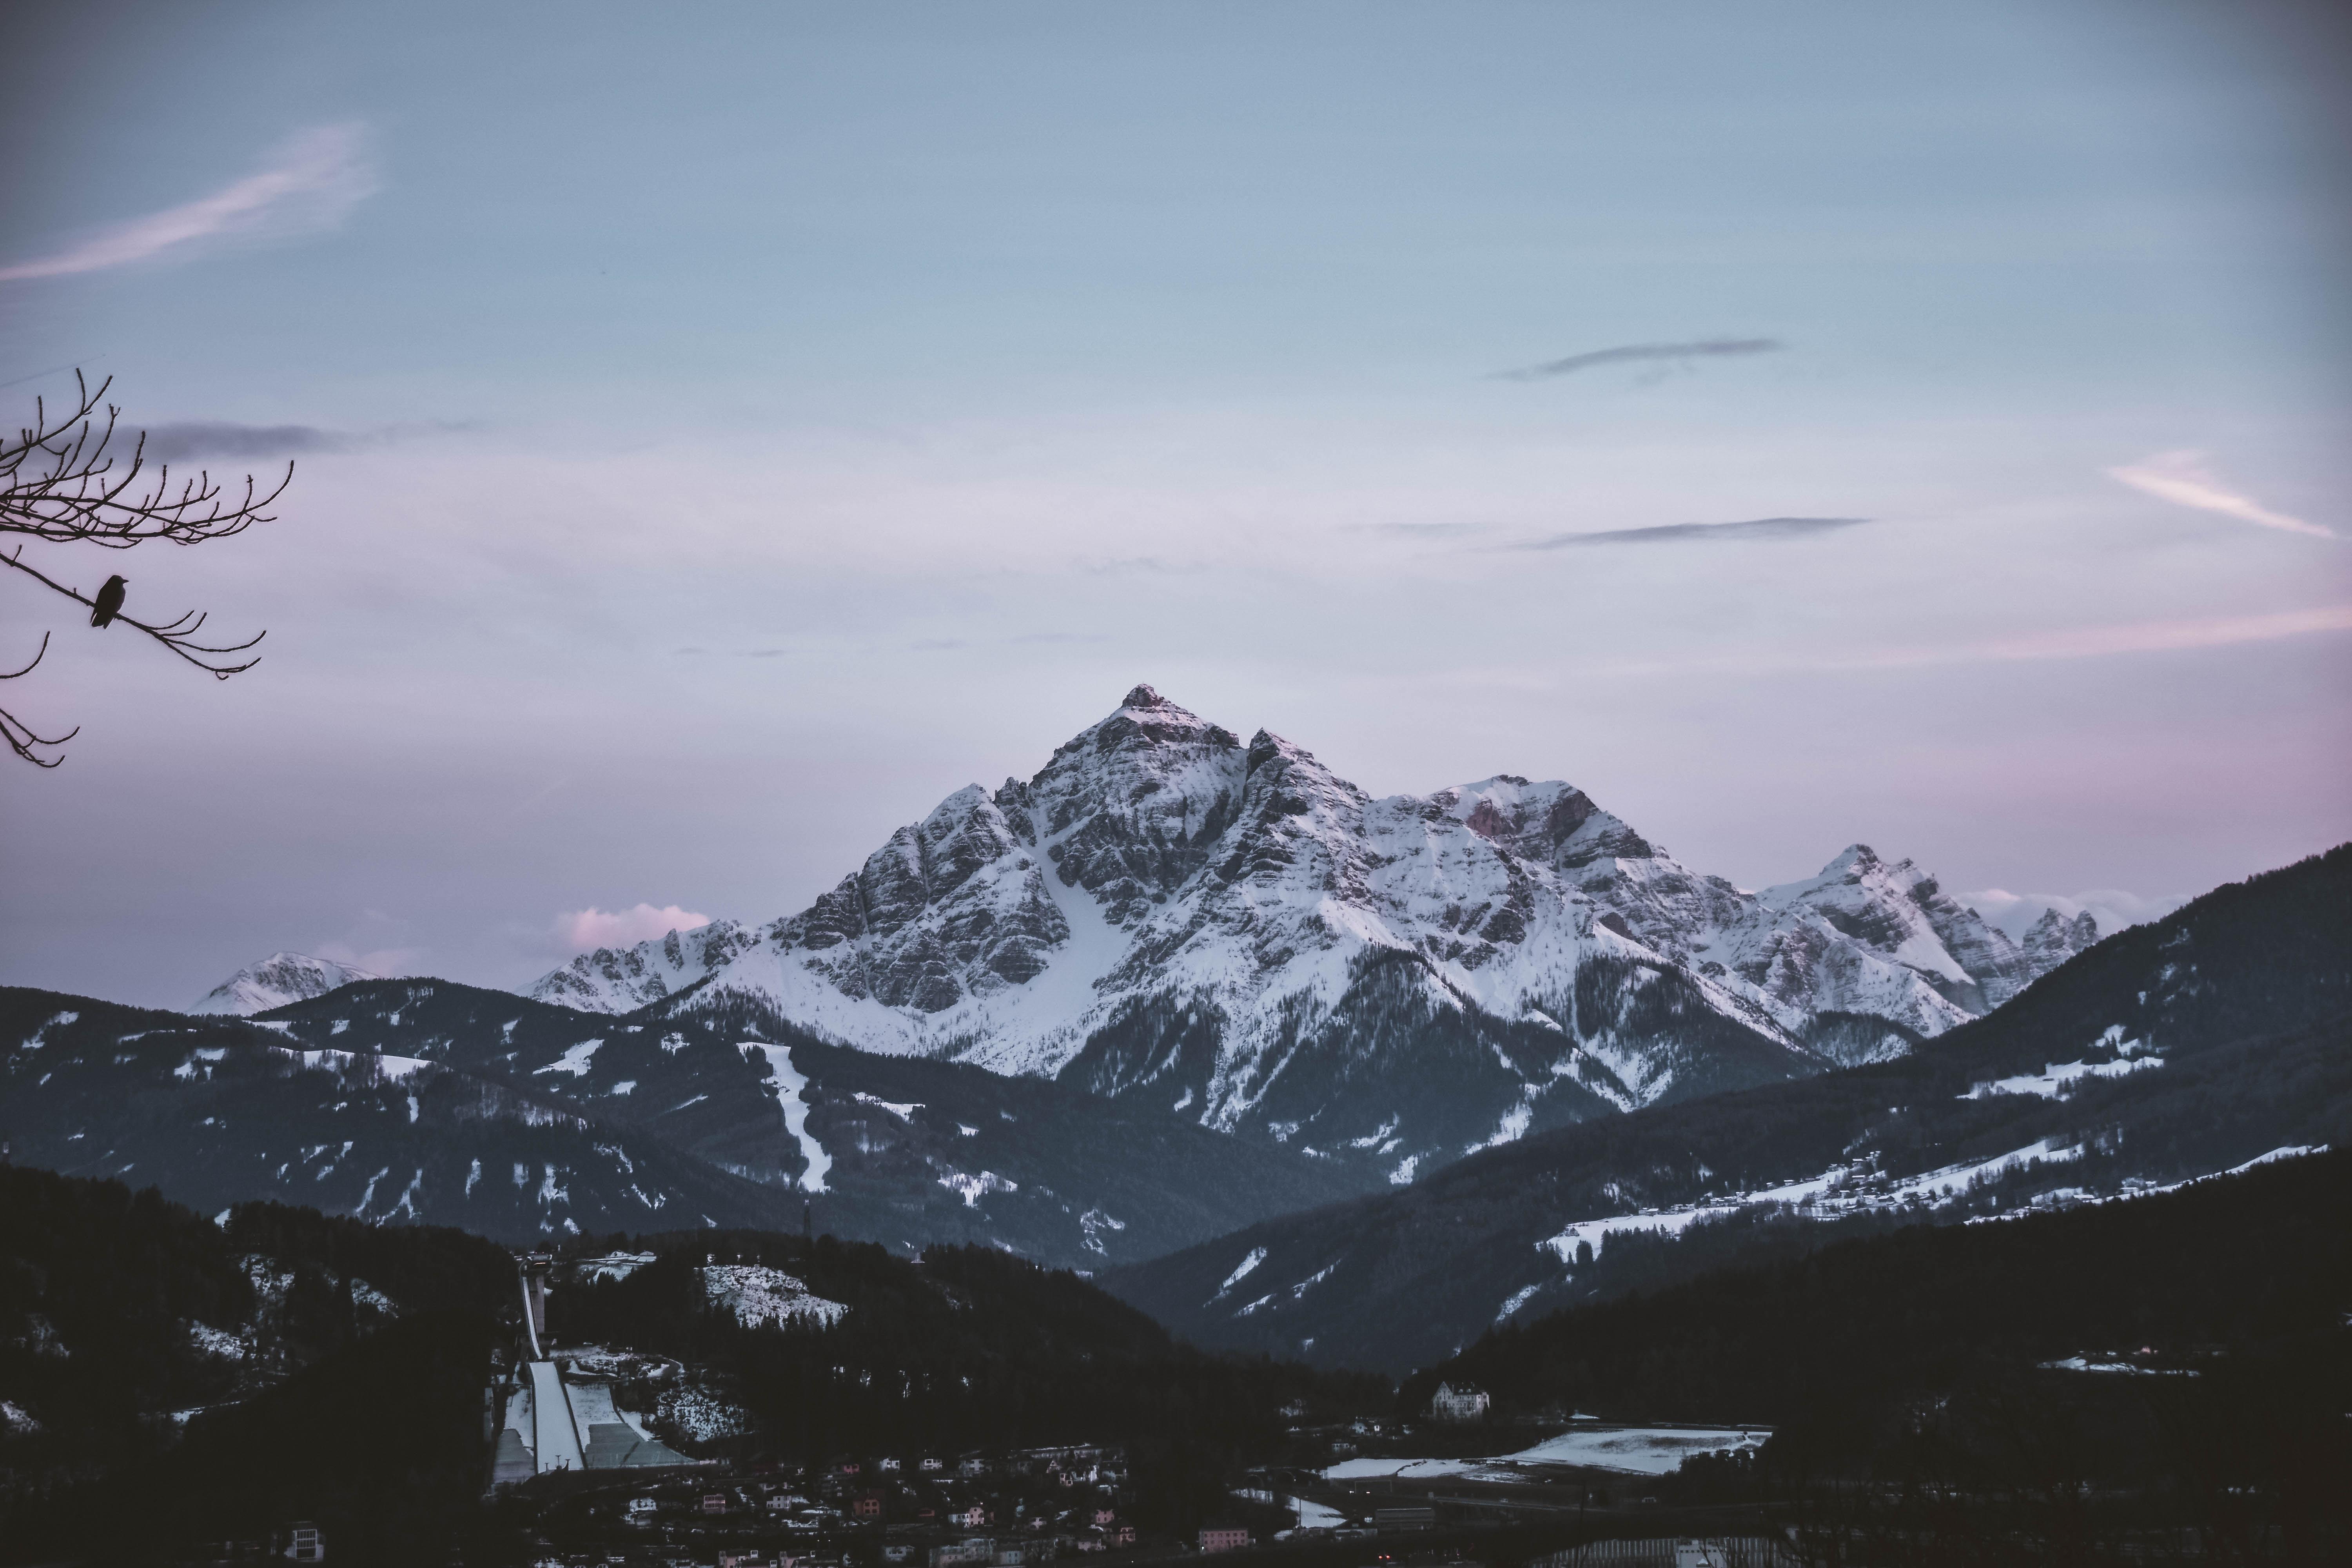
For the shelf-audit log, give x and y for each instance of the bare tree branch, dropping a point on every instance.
(40, 654)
(177, 635)
(57, 483)
(60, 486)
(22, 739)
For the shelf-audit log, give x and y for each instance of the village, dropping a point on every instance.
(995, 1511)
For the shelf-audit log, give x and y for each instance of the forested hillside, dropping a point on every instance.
(966, 1347)
(408, 1101)
(172, 1380)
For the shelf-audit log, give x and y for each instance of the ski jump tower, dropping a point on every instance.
(556, 1422)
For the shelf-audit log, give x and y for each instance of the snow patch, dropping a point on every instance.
(1256, 1255)
(757, 1294)
(574, 1060)
(972, 1188)
(788, 1082)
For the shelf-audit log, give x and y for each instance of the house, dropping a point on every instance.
(1228, 1539)
(972, 1518)
(1123, 1536)
(1467, 1403)
(868, 1507)
(978, 1549)
(308, 1545)
(715, 1503)
(641, 1510)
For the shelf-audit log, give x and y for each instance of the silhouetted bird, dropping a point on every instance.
(109, 602)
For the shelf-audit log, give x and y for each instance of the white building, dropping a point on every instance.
(1467, 1403)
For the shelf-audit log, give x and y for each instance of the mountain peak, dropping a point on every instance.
(1854, 858)
(1142, 697)
(280, 978)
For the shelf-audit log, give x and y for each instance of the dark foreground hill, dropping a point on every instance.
(406, 1101)
(2182, 1360)
(172, 1380)
(2170, 1052)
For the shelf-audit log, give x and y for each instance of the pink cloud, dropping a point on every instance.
(582, 931)
(2182, 478)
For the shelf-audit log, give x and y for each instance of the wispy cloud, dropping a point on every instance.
(2182, 478)
(2163, 637)
(309, 183)
(172, 443)
(1642, 354)
(1680, 533)
(2072, 642)
(583, 930)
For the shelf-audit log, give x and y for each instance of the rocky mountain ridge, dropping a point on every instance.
(1230, 930)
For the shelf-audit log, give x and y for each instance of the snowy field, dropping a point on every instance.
(1634, 1450)
(1642, 1450)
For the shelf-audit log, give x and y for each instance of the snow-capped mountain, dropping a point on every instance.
(1233, 930)
(280, 978)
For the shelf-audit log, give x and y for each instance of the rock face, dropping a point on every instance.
(2054, 939)
(280, 978)
(1227, 927)
(619, 979)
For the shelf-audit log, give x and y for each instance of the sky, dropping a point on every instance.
(722, 432)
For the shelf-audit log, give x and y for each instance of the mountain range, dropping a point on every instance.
(1296, 1069)
(1231, 932)
(2217, 1037)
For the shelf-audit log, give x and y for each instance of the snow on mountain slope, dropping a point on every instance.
(1233, 930)
(280, 978)
(1899, 912)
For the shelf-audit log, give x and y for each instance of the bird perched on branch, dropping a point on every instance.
(109, 602)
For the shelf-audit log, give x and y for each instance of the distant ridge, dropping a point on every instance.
(280, 978)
